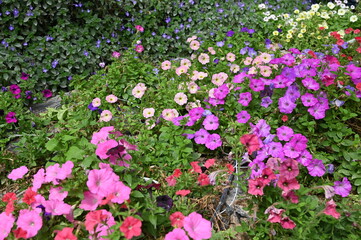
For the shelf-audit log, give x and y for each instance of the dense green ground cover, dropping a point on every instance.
(143, 148)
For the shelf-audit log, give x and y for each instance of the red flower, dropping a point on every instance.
(349, 58)
(284, 118)
(131, 227)
(267, 176)
(321, 28)
(195, 167)
(358, 86)
(65, 234)
(177, 173)
(288, 184)
(255, 186)
(358, 39)
(93, 218)
(287, 223)
(9, 208)
(176, 219)
(183, 192)
(358, 50)
(9, 197)
(230, 168)
(29, 196)
(251, 142)
(20, 233)
(209, 163)
(312, 53)
(356, 31)
(203, 179)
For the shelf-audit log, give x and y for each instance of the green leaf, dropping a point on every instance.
(51, 144)
(137, 194)
(74, 153)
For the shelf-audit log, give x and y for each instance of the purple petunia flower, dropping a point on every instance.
(24, 76)
(213, 141)
(243, 116)
(266, 101)
(14, 89)
(196, 113)
(245, 98)
(201, 136)
(211, 122)
(308, 100)
(230, 33)
(316, 168)
(286, 105)
(343, 188)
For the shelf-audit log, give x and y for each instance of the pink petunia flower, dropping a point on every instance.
(104, 147)
(176, 219)
(148, 112)
(18, 173)
(96, 102)
(166, 65)
(331, 209)
(139, 28)
(197, 227)
(100, 182)
(7, 222)
(176, 234)
(10, 117)
(121, 193)
(287, 223)
(183, 193)
(56, 207)
(65, 234)
(255, 186)
(110, 98)
(30, 221)
(106, 116)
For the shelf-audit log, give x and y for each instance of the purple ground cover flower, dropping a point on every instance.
(316, 168)
(243, 116)
(343, 188)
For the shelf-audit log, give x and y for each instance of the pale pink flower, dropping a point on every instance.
(194, 75)
(18, 173)
(111, 98)
(53, 173)
(266, 58)
(202, 75)
(192, 87)
(39, 179)
(176, 234)
(121, 193)
(185, 62)
(104, 147)
(90, 201)
(234, 68)
(191, 105)
(211, 50)
(166, 65)
(7, 222)
(169, 114)
(148, 112)
(116, 54)
(219, 78)
(252, 70)
(194, 45)
(138, 92)
(203, 58)
(180, 98)
(247, 61)
(96, 102)
(231, 57)
(197, 227)
(30, 221)
(180, 70)
(106, 116)
(191, 39)
(257, 60)
(100, 182)
(265, 71)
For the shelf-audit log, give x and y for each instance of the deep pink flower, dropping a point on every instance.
(287, 223)
(100, 182)
(251, 142)
(10, 117)
(18, 173)
(176, 234)
(288, 184)
(121, 193)
(65, 234)
(267, 176)
(15, 89)
(171, 180)
(211, 122)
(24, 76)
(245, 98)
(139, 48)
(289, 168)
(183, 193)
(275, 214)
(47, 93)
(331, 209)
(104, 147)
(57, 194)
(291, 196)
(103, 228)
(255, 186)
(116, 54)
(195, 167)
(243, 116)
(203, 179)
(139, 28)
(197, 227)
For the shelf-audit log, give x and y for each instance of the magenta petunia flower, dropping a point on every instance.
(121, 193)
(56, 207)
(221, 92)
(284, 133)
(316, 168)
(286, 105)
(256, 85)
(290, 151)
(308, 100)
(317, 111)
(262, 129)
(24, 76)
(275, 149)
(47, 93)
(245, 98)
(299, 142)
(7, 222)
(104, 147)
(213, 141)
(201, 136)
(211, 122)
(289, 168)
(10, 117)
(343, 188)
(196, 113)
(243, 116)
(311, 84)
(197, 227)
(100, 182)
(15, 89)
(18, 173)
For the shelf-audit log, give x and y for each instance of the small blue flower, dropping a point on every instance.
(54, 63)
